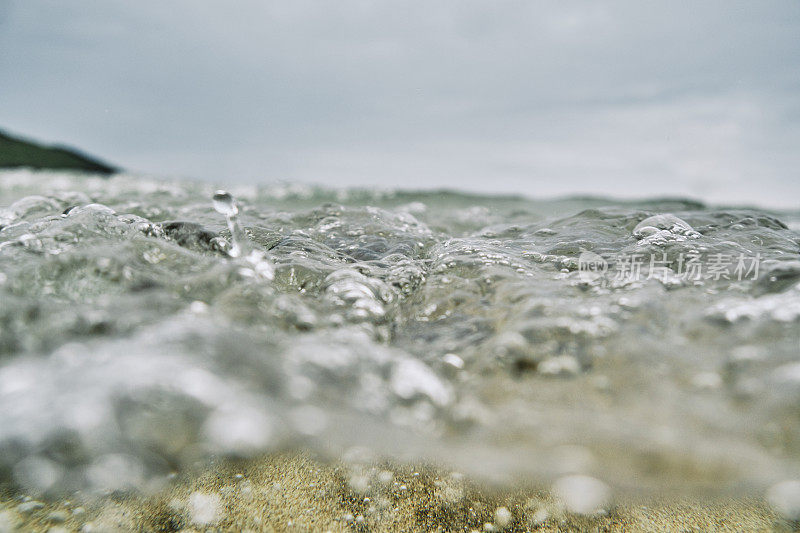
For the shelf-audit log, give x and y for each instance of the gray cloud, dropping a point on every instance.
(541, 98)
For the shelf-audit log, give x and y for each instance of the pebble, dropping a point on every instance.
(29, 507)
(58, 517)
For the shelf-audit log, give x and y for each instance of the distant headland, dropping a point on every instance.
(16, 152)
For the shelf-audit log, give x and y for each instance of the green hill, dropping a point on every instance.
(16, 152)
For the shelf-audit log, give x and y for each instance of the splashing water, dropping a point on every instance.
(226, 205)
(140, 332)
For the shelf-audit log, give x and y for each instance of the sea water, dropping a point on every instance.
(149, 326)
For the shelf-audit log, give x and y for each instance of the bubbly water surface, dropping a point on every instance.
(147, 326)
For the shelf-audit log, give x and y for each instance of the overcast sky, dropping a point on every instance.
(542, 98)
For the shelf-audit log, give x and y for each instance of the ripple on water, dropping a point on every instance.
(145, 326)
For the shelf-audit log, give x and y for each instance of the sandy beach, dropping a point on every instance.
(295, 492)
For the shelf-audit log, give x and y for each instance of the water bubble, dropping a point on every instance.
(560, 365)
(199, 308)
(582, 494)
(453, 360)
(539, 516)
(258, 267)
(204, 508)
(411, 378)
(92, 209)
(28, 206)
(37, 473)
(503, 517)
(785, 498)
(664, 221)
(116, 472)
(239, 429)
(359, 483)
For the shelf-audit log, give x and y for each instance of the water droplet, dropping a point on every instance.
(225, 204)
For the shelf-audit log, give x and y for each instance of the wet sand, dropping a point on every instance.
(295, 492)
